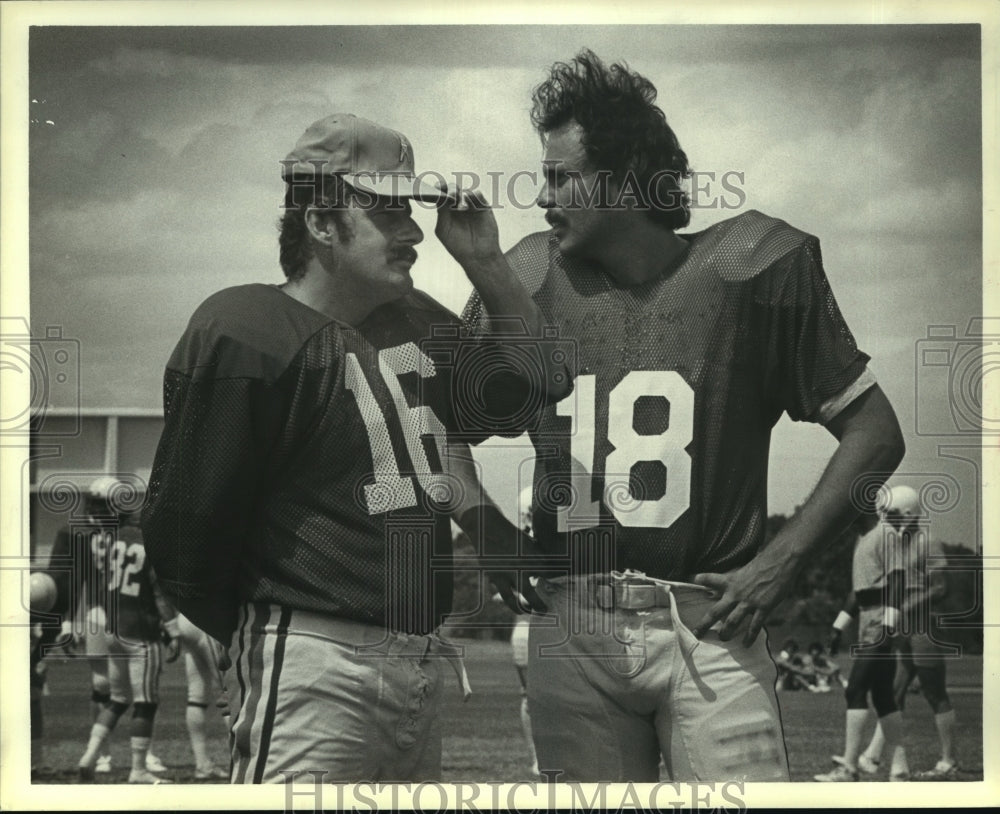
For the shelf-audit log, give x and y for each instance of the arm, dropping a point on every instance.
(501, 545)
(935, 590)
(168, 618)
(68, 567)
(68, 574)
(870, 446)
(222, 413)
(469, 232)
(164, 607)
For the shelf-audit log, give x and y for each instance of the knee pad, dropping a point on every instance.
(933, 689)
(147, 711)
(884, 699)
(101, 697)
(100, 684)
(857, 696)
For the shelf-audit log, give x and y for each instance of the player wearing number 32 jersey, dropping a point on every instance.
(103, 560)
(651, 474)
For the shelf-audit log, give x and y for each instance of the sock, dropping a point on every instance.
(195, 719)
(526, 728)
(877, 745)
(945, 723)
(98, 734)
(140, 746)
(900, 765)
(891, 732)
(854, 729)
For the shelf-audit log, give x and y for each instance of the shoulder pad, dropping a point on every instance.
(529, 259)
(246, 331)
(742, 247)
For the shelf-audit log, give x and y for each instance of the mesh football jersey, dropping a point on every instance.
(916, 553)
(657, 460)
(106, 566)
(874, 558)
(296, 461)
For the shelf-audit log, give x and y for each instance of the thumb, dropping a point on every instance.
(717, 582)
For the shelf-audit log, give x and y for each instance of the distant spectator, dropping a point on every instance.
(793, 671)
(825, 669)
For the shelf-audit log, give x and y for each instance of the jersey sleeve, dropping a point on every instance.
(814, 354)
(225, 404)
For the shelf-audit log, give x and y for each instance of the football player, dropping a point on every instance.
(78, 564)
(120, 580)
(920, 656)
(875, 601)
(651, 495)
(43, 598)
(205, 685)
(301, 491)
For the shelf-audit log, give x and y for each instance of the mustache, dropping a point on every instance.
(405, 254)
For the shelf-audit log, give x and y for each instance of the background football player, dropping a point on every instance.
(134, 617)
(690, 348)
(920, 656)
(78, 564)
(875, 601)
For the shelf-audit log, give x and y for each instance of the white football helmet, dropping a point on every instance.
(903, 501)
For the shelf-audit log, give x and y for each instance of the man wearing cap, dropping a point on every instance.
(300, 496)
(101, 565)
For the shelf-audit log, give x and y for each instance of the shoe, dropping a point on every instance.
(839, 775)
(942, 771)
(154, 764)
(85, 773)
(103, 765)
(146, 777)
(865, 763)
(900, 777)
(211, 772)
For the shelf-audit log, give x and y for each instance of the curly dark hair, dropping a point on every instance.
(623, 130)
(294, 243)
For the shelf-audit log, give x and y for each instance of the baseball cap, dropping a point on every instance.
(366, 155)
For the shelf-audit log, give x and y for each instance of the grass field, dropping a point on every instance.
(483, 736)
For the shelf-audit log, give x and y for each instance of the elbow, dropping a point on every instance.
(558, 386)
(892, 448)
(884, 436)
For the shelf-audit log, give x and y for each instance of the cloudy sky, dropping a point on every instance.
(154, 177)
